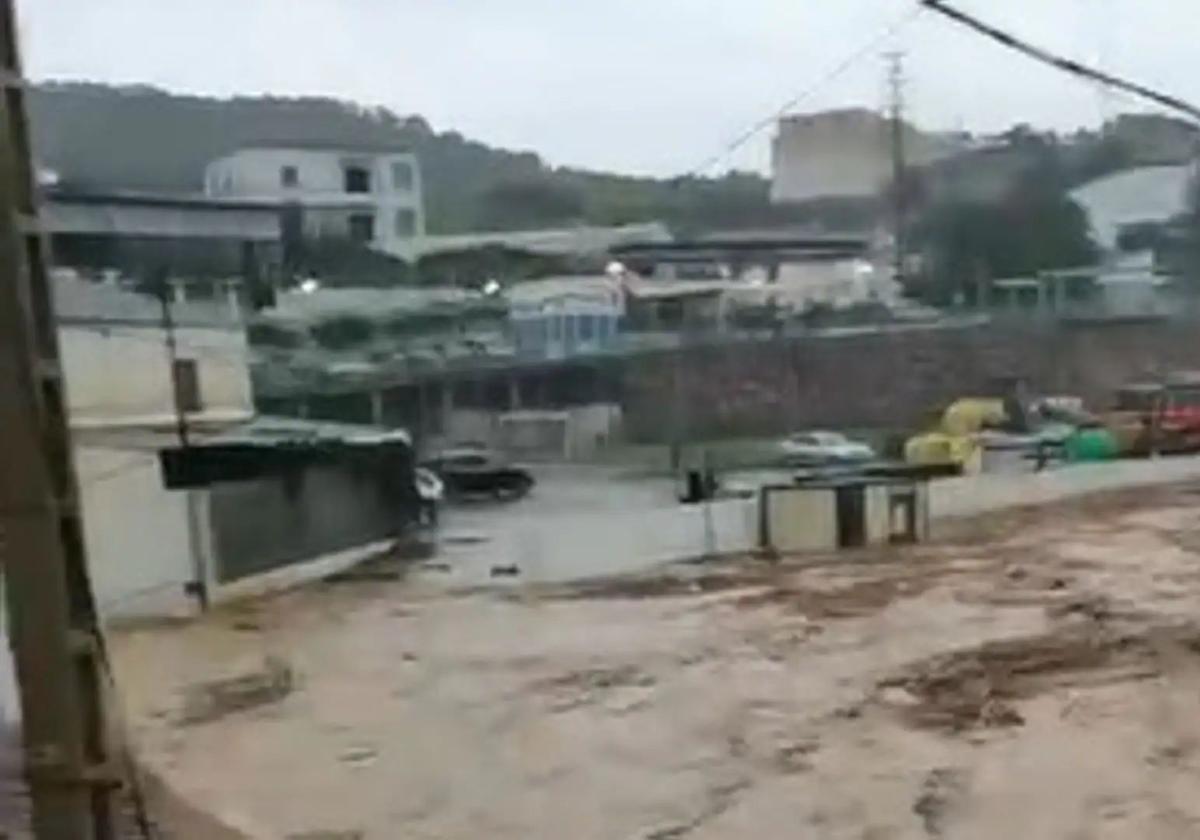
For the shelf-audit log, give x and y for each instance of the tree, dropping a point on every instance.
(528, 203)
(1035, 227)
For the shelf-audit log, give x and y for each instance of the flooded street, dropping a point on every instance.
(1035, 674)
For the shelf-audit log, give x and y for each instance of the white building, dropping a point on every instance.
(369, 195)
(843, 153)
(1146, 194)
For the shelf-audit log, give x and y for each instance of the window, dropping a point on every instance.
(402, 176)
(186, 380)
(357, 179)
(406, 223)
(587, 327)
(289, 176)
(362, 227)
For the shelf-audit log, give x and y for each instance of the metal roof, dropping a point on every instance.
(161, 216)
(350, 147)
(554, 241)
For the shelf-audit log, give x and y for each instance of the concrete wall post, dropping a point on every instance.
(377, 408)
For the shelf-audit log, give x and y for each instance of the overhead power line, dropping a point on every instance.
(834, 72)
(1065, 64)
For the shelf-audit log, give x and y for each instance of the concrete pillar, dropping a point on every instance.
(377, 408)
(233, 299)
(422, 430)
(447, 405)
(514, 394)
(178, 291)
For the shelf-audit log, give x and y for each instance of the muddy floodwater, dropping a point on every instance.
(1035, 674)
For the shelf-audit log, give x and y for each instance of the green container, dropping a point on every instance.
(1091, 445)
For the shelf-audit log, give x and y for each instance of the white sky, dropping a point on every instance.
(639, 86)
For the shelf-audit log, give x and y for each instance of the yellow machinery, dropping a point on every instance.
(955, 441)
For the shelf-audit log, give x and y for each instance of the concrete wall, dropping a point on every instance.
(138, 546)
(800, 519)
(262, 525)
(837, 283)
(973, 495)
(569, 434)
(887, 379)
(121, 375)
(626, 541)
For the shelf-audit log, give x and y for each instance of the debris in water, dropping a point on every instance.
(941, 788)
(360, 755)
(210, 701)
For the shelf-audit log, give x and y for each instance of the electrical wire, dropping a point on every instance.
(837, 70)
(1067, 65)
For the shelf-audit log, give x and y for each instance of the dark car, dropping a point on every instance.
(480, 472)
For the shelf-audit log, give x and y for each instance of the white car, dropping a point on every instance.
(824, 448)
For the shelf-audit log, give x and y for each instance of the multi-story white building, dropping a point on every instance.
(843, 153)
(369, 195)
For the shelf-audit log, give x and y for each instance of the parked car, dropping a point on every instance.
(480, 472)
(824, 448)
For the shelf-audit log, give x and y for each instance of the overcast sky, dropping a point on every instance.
(640, 86)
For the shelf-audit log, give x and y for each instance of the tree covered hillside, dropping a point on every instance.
(104, 137)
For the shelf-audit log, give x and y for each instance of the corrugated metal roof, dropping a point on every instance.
(267, 430)
(169, 217)
(561, 241)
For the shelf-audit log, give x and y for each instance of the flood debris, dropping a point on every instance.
(210, 701)
(940, 791)
(359, 755)
(978, 687)
(581, 688)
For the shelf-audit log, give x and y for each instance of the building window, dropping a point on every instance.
(186, 380)
(406, 223)
(587, 327)
(362, 227)
(289, 176)
(402, 176)
(357, 179)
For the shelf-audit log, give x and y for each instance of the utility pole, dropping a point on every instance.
(895, 62)
(167, 321)
(198, 587)
(52, 621)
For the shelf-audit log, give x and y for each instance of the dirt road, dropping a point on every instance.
(1036, 676)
